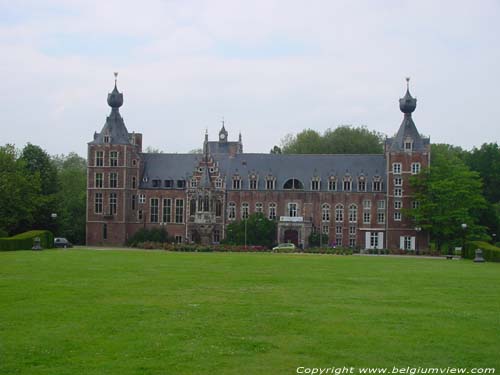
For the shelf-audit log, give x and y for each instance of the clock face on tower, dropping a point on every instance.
(222, 136)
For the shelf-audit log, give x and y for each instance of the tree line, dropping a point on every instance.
(39, 191)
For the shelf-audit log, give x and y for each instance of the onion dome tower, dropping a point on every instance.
(114, 130)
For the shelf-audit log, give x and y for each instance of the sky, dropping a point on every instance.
(268, 68)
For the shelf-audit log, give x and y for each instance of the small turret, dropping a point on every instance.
(407, 103)
(115, 98)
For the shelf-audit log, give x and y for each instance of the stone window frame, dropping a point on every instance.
(416, 168)
(332, 183)
(245, 210)
(325, 212)
(99, 180)
(339, 213)
(113, 158)
(353, 213)
(236, 182)
(316, 183)
(231, 211)
(272, 209)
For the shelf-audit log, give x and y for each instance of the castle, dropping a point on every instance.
(356, 200)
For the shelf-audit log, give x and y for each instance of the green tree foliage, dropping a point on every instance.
(486, 161)
(71, 197)
(344, 139)
(449, 194)
(39, 166)
(260, 231)
(18, 192)
(317, 239)
(275, 150)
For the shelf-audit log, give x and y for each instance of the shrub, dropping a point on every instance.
(24, 241)
(143, 235)
(490, 252)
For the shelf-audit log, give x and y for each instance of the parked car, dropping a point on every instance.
(62, 242)
(284, 248)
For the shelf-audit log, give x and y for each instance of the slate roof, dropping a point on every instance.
(115, 128)
(282, 167)
(407, 130)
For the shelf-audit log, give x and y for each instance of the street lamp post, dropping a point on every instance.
(246, 219)
(417, 250)
(494, 237)
(464, 230)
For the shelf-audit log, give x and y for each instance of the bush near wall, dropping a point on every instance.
(490, 252)
(24, 241)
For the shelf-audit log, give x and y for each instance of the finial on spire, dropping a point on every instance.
(407, 83)
(116, 76)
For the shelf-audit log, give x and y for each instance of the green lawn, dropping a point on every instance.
(139, 312)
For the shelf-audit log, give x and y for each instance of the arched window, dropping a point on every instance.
(325, 212)
(231, 211)
(353, 213)
(218, 208)
(272, 211)
(339, 213)
(293, 184)
(244, 210)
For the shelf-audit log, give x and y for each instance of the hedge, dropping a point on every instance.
(24, 241)
(490, 252)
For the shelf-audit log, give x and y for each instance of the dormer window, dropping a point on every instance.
(377, 183)
(106, 139)
(361, 183)
(253, 182)
(408, 144)
(270, 183)
(194, 182)
(315, 183)
(347, 183)
(236, 183)
(332, 183)
(218, 183)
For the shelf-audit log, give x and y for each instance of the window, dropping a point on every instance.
(377, 184)
(169, 184)
(99, 158)
(398, 204)
(113, 158)
(398, 181)
(192, 207)
(381, 217)
(194, 182)
(154, 209)
(352, 242)
(272, 211)
(398, 192)
(134, 162)
(374, 240)
(415, 168)
(258, 207)
(325, 229)
(113, 203)
(367, 204)
(231, 211)
(179, 211)
(292, 209)
(407, 243)
(339, 213)
(244, 210)
(216, 236)
(396, 168)
(113, 180)
(167, 210)
(178, 239)
(139, 215)
(293, 184)
(98, 203)
(338, 230)
(338, 241)
(98, 180)
(218, 208)
(352, 230)
(106, 139)
(270, 183)
(325, 212)
(381, 205)
(142, 199)
(415, 204)
(353, 213)
(315, 184)
(134, 182)
(218, 183)
(347, 185)
(236, 183)
(408, 145)
(332, 184)
(134, 201)
(253, 184)
(397, 216)
(181, 184)
(361, 184)
(105, 231)
(366, 218)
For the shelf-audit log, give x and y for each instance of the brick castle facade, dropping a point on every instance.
(357, 200)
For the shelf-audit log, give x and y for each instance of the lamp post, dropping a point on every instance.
(417, 251)
(494, 237)
(246, 219)
(464, 230)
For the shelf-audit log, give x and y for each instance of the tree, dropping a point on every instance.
(344, 139)
(18, 192)
(275, 150)
(449, 194)
(259, 229)
(486, 161)
(71, 197)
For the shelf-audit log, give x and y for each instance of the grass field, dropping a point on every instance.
(139, 312)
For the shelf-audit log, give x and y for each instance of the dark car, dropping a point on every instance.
(62, 242)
